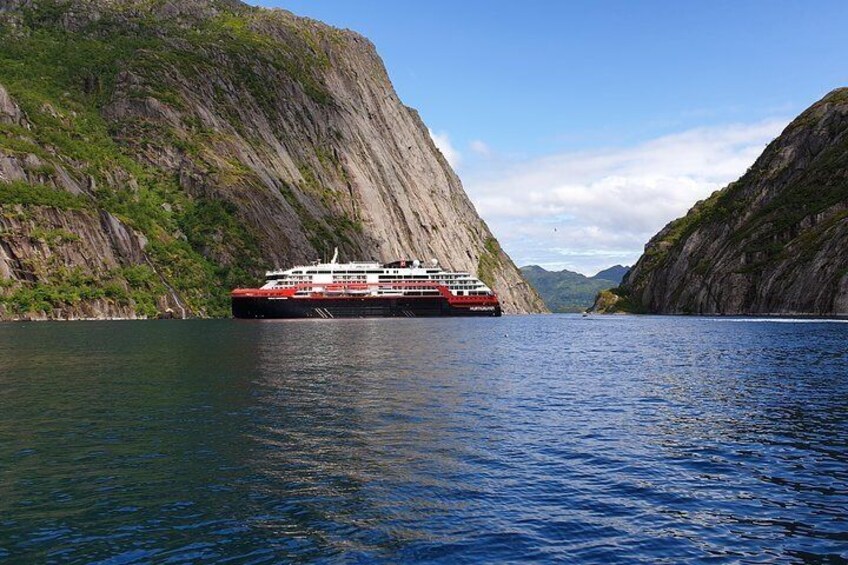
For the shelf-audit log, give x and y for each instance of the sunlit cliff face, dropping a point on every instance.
(221, 140)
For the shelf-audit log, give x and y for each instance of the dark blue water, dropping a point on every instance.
(614, 439)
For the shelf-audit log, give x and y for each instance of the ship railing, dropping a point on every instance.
(381, 284)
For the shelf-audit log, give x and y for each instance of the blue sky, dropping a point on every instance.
(668, 100)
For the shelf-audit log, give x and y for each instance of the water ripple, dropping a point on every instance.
(653, 440)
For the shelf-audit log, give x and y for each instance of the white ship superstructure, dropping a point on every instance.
(405, 288)
(409, 277)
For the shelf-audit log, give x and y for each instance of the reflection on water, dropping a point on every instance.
(600, 439)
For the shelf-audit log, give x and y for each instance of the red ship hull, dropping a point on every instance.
(267, 304)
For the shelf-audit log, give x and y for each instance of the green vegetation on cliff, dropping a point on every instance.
(62, 79)
(616, 301)
(31, 194)
(206, 140)
(135, 286)
(771, 242)
(489, 262)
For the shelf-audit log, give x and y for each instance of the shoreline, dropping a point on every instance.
(765, 317)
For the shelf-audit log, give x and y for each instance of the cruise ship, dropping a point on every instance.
(404, 288)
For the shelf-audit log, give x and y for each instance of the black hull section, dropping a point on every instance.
(400, 307)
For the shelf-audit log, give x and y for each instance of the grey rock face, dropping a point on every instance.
(773, 242)
(9, 111)
(363, 155)
(39, 240)
(293, 125)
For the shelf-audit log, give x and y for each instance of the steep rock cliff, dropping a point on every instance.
(775, 241)
(154, 154)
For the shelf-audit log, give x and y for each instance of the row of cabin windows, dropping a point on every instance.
(355, 279)
(335, 272)
(426, 278)
(424, 292)
(381, 272)
(453, 283)
(360, 272)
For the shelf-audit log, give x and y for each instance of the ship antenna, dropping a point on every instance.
(335, 256)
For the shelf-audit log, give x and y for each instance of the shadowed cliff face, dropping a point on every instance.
(775, 241)
(221, 140)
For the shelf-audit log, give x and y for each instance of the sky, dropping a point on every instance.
(579, 129)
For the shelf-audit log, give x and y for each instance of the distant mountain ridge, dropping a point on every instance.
(614, 273)
(567, 291)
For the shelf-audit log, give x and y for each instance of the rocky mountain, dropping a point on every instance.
(156, 153)
(567, 291)
(774, 241)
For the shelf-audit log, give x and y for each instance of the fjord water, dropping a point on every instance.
(601, 439)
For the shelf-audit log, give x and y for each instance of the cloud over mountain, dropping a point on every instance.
(586, 210)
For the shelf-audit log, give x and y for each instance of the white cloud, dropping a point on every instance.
(588, 210)
(443, 142)
(480, 148)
